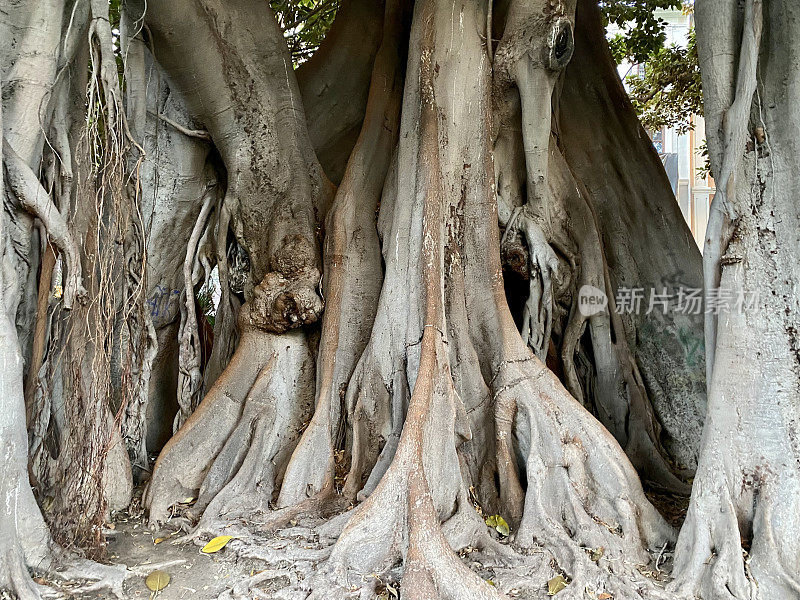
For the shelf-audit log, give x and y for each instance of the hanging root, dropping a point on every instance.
(190, 377)
(225, 321)
(537, 318)
(33, 197)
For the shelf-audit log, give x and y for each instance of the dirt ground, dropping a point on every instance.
(193, 574)
(265, 569)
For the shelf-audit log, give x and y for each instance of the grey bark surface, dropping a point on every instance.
(241, 87)
(24, 539)
(746, 488)
(335, 83)
(446, 401)
(646, 241)
(417, 407)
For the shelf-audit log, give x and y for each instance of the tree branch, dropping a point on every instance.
(195, 133)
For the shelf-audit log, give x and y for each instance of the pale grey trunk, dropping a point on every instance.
(175, 176)
(334, 83)
(24, 538)
(747, 485)
(646, 241)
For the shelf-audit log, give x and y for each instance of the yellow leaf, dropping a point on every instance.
(499, 524)
(158, 540)
(491, 583)
(502, 527)
(217, 544)
(556, 584)
(157, 580)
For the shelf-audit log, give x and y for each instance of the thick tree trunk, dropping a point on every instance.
(24, 539)
(746, 491)
(335, 81)
(30, 34)
(420, 409)
(429, 401)
(234, 69)
(444, 343)
(645, 240)
(276, 191)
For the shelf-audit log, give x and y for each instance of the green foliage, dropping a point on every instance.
(670, 91)
(305, 24)
(704, 170)
(642, 33)
(205, 301)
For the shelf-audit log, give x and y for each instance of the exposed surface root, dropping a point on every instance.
(268, 390)
(432, 570)
(714, 565)
(441, 417)
(95, 577)
(274, 415)
(297, 563)
(15, 576)
(579, 489)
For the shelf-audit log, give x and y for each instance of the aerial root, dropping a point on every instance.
(537, 319)
(190, 378)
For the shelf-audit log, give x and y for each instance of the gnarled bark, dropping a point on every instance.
(233, 67)
(446, 402)
(745, 493)
(420, 409)
(558, 238)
